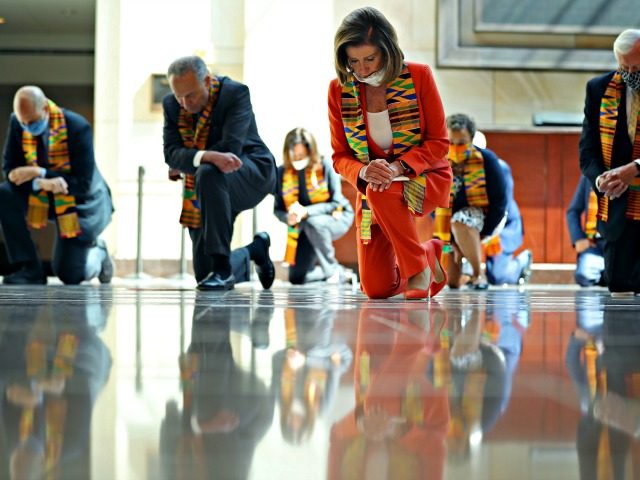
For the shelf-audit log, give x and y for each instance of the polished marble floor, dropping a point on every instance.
(153, 380)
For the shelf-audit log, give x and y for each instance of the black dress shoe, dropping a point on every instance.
(215, 282)
(26, 276)
(266, 270)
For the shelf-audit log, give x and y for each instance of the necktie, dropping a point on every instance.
(633, 115)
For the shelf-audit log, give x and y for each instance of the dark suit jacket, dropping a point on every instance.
(577, 208)
(496, 191)
(591, 160)
(93, 197)
(512, 234)
(233, 129)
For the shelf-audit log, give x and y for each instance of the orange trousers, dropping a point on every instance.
(394, 253)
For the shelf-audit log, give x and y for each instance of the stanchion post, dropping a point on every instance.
(139, 239)
(183, 258)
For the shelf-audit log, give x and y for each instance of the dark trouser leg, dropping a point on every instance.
(212, 188)
(305, 261)
(622, 260)
(13, 211)
(70, 261)
(203, 263)
(222, 196)
(240, 264)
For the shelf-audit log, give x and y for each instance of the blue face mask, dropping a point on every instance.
(38, 127)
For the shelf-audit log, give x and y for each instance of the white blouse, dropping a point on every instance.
(379, 127)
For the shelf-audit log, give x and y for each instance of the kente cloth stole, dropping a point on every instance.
(318, 192)
(55, 406)
(597, 383)
(404, 114)
(475, 186)
(58, 150)
(190, 216)
(493, 246)
(608, 121)
(591, 220)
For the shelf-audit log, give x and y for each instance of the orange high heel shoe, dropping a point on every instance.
(416, 294)
(435, 287)
(433, 253)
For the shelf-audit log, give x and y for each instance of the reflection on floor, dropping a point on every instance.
(157, 381)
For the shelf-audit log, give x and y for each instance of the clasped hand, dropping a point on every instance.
(296, 214)
(22, 175)
(613, 183)
(379, 174)
(25, 174)
(226, 162)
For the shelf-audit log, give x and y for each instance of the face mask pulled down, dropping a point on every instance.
(375, 79)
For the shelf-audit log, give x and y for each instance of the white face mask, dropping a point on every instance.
(375, 79)
(300, 164)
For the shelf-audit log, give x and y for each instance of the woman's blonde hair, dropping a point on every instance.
(367, 26)
(304, 137)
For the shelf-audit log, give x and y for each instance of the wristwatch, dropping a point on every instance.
(407, 169)
(637, 162)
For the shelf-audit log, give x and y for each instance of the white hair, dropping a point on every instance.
(32, 94)
(626, 41)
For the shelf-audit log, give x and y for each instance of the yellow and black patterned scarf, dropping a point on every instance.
(195, 138)
(318, 192)
(475, 185)
(404, 114)
(608, 121)
(55, 405)
(591, 220)
(58, 153)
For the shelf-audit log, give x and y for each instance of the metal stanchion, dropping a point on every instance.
(138, 376)
(183, 258)
(139, 238)
(139, 274)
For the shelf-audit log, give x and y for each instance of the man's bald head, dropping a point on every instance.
(30, 104)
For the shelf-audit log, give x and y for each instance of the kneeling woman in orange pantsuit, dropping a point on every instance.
(390, 142)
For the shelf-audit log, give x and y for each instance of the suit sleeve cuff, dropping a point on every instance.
(197, 159)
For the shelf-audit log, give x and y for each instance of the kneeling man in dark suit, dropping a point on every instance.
(211, 140)
(51, 175)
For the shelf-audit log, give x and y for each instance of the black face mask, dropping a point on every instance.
(631, 79)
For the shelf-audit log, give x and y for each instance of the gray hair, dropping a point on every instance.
(184, 65)
(626, 41)
(460, 121)
(32, 94)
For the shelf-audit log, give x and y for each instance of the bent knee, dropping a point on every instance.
(376, 291)
(208, 172)
(296, 279)
(71, 278)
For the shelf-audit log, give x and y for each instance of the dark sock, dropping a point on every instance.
(257, 250)
(221, 265)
